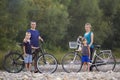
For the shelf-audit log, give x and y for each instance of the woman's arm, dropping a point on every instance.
(89, 51)
(92, 39)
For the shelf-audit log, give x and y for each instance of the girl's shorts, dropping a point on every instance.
(85, 59)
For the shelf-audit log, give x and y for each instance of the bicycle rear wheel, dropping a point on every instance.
(47, 63)
(13, 62)
(105, 61)
(71, 62)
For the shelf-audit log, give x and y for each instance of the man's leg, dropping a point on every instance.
(35, 63)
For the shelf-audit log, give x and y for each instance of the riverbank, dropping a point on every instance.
(110, 75)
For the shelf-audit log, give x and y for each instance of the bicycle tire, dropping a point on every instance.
(106, 63)
(69, 65)
(13, 62)
(47, 63)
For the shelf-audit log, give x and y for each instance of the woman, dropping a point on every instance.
(89, 36)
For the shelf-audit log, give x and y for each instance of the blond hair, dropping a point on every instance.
(27, 33)
(88, 24)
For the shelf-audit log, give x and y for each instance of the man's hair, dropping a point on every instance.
(88, 24)
(33, 21)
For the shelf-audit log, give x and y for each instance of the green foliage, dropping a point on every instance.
(60, 21)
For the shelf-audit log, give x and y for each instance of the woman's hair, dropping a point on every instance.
(88, 24)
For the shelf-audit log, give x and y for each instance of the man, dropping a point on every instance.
(35, 37)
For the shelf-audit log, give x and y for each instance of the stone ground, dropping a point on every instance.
(110, 75)
(61, 75)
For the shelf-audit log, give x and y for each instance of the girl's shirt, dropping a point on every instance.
(85, 51)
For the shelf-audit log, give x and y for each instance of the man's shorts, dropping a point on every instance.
(28, 58)
(85, 59)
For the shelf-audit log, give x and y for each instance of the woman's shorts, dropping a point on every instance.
(85, 59)
(28, 58)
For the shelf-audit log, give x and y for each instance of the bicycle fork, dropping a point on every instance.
(74, 57)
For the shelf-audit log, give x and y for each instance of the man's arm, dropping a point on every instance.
(40, 38)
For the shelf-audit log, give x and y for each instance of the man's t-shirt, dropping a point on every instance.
(27, 47)
(34, 37)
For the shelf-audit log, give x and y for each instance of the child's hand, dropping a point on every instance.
(25, 54)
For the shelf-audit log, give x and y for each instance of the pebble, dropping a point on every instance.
(110, 75)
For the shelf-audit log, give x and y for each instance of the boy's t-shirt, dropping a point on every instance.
(28, 48)
(85, 51)
(34, 37)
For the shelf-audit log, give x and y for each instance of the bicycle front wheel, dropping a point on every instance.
(105, 61)
(47, 63)
(71, 62)
(13, 62)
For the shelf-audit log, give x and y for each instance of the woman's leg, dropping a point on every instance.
(91, 53)
(91, 56)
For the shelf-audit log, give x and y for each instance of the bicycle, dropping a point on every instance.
(14, 61)
(71, 62)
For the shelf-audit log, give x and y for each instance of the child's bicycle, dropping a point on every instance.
(103, 60)
(14, 61)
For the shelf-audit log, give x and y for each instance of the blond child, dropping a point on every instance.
(27, 51)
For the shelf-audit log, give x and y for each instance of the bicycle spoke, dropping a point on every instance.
(71, 62)
(12, 62)
(105, 62)
(46, 64)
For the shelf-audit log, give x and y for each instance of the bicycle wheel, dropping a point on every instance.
(13, 62)
(71, 62)
(105, 61)
(47, 63)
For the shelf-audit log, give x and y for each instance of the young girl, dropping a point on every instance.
(85, 55)
(27, 51)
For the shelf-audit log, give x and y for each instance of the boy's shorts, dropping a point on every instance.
(28, 58)
(85, 59)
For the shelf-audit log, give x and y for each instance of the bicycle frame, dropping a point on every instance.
(96, 55)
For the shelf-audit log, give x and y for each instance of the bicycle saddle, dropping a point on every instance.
(97, 46)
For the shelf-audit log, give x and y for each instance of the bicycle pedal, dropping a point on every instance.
(21, 60)
(90, 63)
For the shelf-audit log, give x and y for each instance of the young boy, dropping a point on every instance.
(85, 55)
(27, 51)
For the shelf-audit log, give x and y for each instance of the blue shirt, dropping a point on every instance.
(87, 36)
(34, 37)
(27, 47)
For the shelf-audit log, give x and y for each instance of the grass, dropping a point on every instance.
(2, 54)
(116, 53)
(58, 54)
